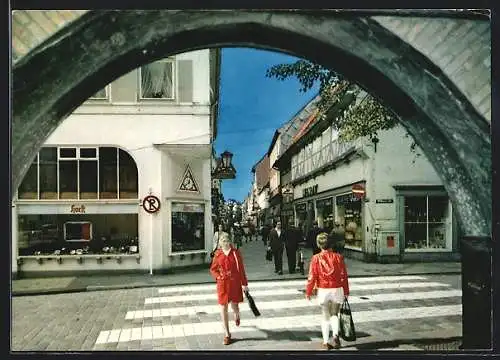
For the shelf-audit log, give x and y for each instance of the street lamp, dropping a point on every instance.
(226, 159)
(225, 168)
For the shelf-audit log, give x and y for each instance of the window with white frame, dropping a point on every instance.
(102, 94)
(79, 173)
(188, 227)
(157, 80)
(427, 223)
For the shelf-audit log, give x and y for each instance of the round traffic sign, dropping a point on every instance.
(151, 204)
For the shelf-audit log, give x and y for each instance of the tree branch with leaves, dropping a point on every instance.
(364, 118)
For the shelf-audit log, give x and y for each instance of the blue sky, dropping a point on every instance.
(251, 108)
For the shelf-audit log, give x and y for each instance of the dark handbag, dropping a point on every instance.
(346, 324)
(251, 303)
(269, 254)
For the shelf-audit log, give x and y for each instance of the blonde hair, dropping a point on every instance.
(224, 236)
(322, 240)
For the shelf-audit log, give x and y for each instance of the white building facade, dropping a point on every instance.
(404, 213)
(124, 183)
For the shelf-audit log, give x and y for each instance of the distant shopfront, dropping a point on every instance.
(330, 207)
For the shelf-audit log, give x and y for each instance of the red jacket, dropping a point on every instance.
(327, 270)
(229, 272)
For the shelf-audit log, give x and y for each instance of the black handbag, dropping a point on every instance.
(346, 324)
(251, 303)
(269, 254)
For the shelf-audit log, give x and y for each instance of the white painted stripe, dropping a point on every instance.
(147, 333)
(157, 332)
(114, 336)
(284, 283)
(292, 304)
(302, 321)
(292, 291)
(136, 334)
(125, 335)
(103, 337)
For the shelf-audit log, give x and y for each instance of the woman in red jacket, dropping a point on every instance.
(228, 270)
(328, 274)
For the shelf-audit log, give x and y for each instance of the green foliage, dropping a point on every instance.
(364, 118)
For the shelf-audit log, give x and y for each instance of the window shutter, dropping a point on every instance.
(185, 80)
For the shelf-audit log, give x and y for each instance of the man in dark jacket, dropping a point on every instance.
(292, 238)
(277, 242)
(265, 233)
(311, 237)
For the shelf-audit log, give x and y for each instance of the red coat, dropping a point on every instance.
(327, 270)
(229, 279)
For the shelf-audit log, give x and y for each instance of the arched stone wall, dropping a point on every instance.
(57, 76)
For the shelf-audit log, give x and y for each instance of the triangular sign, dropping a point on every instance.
(188, 182)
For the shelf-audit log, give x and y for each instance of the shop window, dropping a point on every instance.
(325, 214)
(88, 153)
(48, 173)
(80, 173)
(349, 215)
(108, 180)
(67, 153)
(188, 227)
(76, 231)
(427, 223)
(29, 186)
(72, 234)
(68, 175)
(157, 81)
(127, 176)
(88, 179)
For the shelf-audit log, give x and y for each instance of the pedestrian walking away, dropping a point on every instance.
(328, 278)
(277, 244)
(228, 270)
(292, 239)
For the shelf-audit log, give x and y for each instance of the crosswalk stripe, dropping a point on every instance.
(103, 337)
(292, 304)
(287, 322)
(264, 284)
(292, 291)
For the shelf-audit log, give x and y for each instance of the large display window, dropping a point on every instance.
(78, 173)
(349, 214)
(188, 227)
(71, 234)
(324, 209)
(427, 223)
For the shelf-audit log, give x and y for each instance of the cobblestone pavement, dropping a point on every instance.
(389, 312)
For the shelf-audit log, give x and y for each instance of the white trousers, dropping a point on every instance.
(330, 301)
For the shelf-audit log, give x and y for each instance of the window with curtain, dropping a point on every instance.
(157, 81)
(100, 95)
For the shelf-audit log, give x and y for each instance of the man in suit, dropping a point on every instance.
(265, 233)
(292, 238)
(277, 242)
(311, 237)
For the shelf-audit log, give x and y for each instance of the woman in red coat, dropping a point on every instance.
(328, 274)
(228, 270)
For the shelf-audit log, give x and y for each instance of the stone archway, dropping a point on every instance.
(56, 77)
